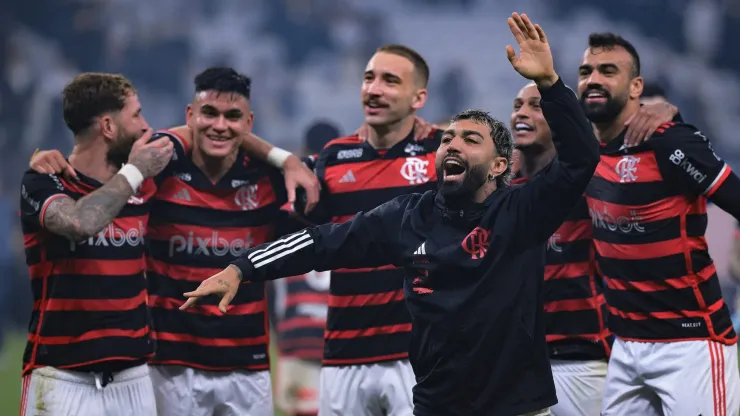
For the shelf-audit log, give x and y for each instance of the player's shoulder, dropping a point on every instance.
(345, 149)
(676, 131)
(36, 179)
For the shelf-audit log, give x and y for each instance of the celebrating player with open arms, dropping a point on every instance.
(473, 251)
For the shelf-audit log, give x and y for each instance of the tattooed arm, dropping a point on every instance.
(81, 219)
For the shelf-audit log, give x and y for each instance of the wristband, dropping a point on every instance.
(277, 157)
(133, 175)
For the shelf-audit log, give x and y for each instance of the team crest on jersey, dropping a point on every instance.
(476, 243)
(415, 170)
(247, 197)
(627, 168)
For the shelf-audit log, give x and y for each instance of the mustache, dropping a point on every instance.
(374, 101)
(455, 157)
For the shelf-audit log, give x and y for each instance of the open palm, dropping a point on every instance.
(535, 59)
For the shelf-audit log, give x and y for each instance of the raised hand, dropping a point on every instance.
(535, 58)
(151, 158)
(52, 162)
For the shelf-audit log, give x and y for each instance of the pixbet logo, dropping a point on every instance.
(112, 236)
(214, 245)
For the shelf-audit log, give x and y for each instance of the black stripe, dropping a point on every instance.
(635, 193)
(171, 213)
(659, 329)
(209, 326)
(63, 355)
(160, 285)
(566, 289)
(573, 252)
(394, 313)
(362, 283)
(212, 357)
(572, 322)
(70, 286)
(365, 347)
(675, 300)
(76, 323)
(668, 267)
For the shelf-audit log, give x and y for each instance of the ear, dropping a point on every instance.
(498, 166)
(420, 98)
(636, 86)
(189, 115)
(250, 121)
(107, 126)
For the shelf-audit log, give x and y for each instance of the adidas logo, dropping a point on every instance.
(182, 195)
(422, 250)
(348, 177)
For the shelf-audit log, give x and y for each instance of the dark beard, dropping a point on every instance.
(474, 178)
(119, 151)
(603, 113)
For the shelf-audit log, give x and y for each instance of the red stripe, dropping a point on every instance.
(568, 270)
(721, 382)
(589, 337)
(91, 267)
(646, 168)
(649, 250)
(366, 269)
(663, 209)
(367, 332)
(179, 272)
(351, 301)
(639, 316)
(90, 335)
(92, 305)
(571, 305)
(380, 174)
(211, 342)
(48, 201)
(344, 140)
(665, 126)
(715, 390)
(682, 282)
(725, 174)
(215, 199)
(210, 310)
(364, 360)
(26, 380)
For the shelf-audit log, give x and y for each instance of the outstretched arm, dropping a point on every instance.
(369, 239)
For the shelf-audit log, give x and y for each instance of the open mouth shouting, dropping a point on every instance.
(453, 168)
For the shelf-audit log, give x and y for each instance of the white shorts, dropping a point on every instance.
(579, 386)
(382, 389)
(189, 391)
(297, 385)
(52, 392)
(687, 378)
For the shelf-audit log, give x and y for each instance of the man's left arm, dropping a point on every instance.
(687, 160)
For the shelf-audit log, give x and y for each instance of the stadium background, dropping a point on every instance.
(306, 59)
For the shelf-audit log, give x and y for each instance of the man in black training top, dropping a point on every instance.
(474, 251)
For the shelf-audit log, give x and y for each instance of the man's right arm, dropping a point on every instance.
(369, 239)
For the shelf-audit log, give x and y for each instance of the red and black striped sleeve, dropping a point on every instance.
(686, 160)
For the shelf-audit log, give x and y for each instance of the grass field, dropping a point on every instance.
(10, 375)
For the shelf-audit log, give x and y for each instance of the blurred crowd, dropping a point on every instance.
(306, 59)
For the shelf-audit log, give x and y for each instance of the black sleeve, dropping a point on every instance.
(545, 201)
(370, 239)
(687, 161)
(37, 191)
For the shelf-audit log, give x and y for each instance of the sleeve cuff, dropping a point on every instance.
(558, 89)
(246, 268)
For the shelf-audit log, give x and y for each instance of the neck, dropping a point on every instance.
(90, 157)
(608, 131)
(213, 167)
(534, 160)
(484, 191)
(386, 136)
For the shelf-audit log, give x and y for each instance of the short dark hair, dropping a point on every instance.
(502, 140)
(420, 65)
(652, 90)
(223, 79)
(92, 94)
(608, 40)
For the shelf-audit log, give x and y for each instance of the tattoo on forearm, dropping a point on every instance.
(90, 214)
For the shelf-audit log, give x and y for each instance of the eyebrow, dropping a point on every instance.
(463, 133)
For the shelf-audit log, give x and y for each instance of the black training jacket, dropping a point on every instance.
(474, 274)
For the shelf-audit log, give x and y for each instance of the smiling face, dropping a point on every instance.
(391, 90)
(528, 124)
(219, 120)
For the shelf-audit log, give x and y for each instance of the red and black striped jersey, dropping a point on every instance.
(368, 320)
(195, 227)
(648, 206)
(89, 297)
(575, 308)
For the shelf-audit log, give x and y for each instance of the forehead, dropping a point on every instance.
(383, 62)
(528, 91)
(613, 55)
(222, 101)
(462, 126)
(131, 103)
